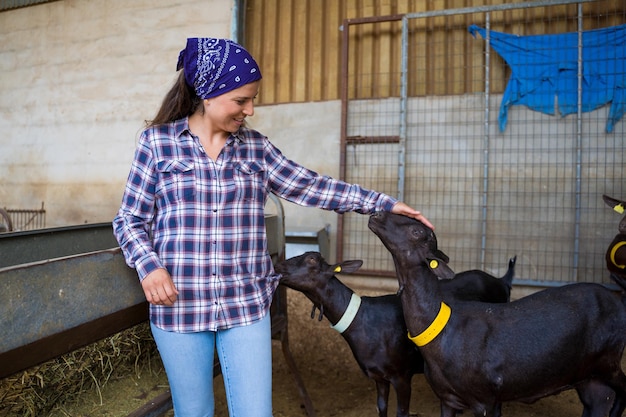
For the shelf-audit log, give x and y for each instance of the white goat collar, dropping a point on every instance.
(349, 314)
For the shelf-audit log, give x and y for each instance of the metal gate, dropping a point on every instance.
(496, 179)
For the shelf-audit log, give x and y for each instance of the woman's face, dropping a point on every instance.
(228, 111)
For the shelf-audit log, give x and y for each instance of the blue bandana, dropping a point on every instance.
(216, 66)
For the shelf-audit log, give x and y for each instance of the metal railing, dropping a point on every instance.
(22, 219)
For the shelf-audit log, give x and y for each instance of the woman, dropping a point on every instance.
(191, 223)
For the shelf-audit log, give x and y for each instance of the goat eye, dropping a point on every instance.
(417, 232)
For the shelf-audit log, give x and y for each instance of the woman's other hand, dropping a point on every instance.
(159, 288)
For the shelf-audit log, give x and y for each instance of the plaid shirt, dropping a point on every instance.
(204, 221)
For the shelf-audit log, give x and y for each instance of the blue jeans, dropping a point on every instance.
(245, 355)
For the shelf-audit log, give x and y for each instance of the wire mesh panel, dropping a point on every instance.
(501, 168)
(372, 158)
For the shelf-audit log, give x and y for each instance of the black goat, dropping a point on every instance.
(616, 253)
(479, 355)
(377, 335)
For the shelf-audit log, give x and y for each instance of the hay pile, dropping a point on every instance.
(39, 390)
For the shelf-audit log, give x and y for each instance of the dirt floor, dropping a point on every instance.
(334, 382)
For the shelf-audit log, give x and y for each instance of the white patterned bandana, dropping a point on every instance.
(215, 66)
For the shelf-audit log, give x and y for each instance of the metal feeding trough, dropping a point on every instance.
(61, 289)
(64, 288)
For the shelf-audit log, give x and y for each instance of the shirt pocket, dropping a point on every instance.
(177, 180)
(249, 179)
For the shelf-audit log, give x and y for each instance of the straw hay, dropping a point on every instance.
(39, 390)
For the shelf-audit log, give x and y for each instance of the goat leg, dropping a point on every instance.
(382, 397)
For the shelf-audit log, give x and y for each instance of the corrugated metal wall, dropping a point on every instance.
(298, 44)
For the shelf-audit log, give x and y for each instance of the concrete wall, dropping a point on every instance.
(78, 80)
(308, 133)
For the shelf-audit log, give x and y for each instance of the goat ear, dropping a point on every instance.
(347, 267)
(615, 204)
(440, 255)
(440, 268)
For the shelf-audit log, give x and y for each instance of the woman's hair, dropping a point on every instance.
(181, 101)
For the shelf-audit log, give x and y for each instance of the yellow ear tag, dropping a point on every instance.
(338, 269)
(619, 208)
(434, 264)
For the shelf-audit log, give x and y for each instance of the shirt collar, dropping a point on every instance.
(182, 125)
(238, 136)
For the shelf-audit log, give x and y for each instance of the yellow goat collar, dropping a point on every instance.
(614, 251)
(435, 327)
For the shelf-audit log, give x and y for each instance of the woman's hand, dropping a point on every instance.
(405, 210)
(159, 288)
